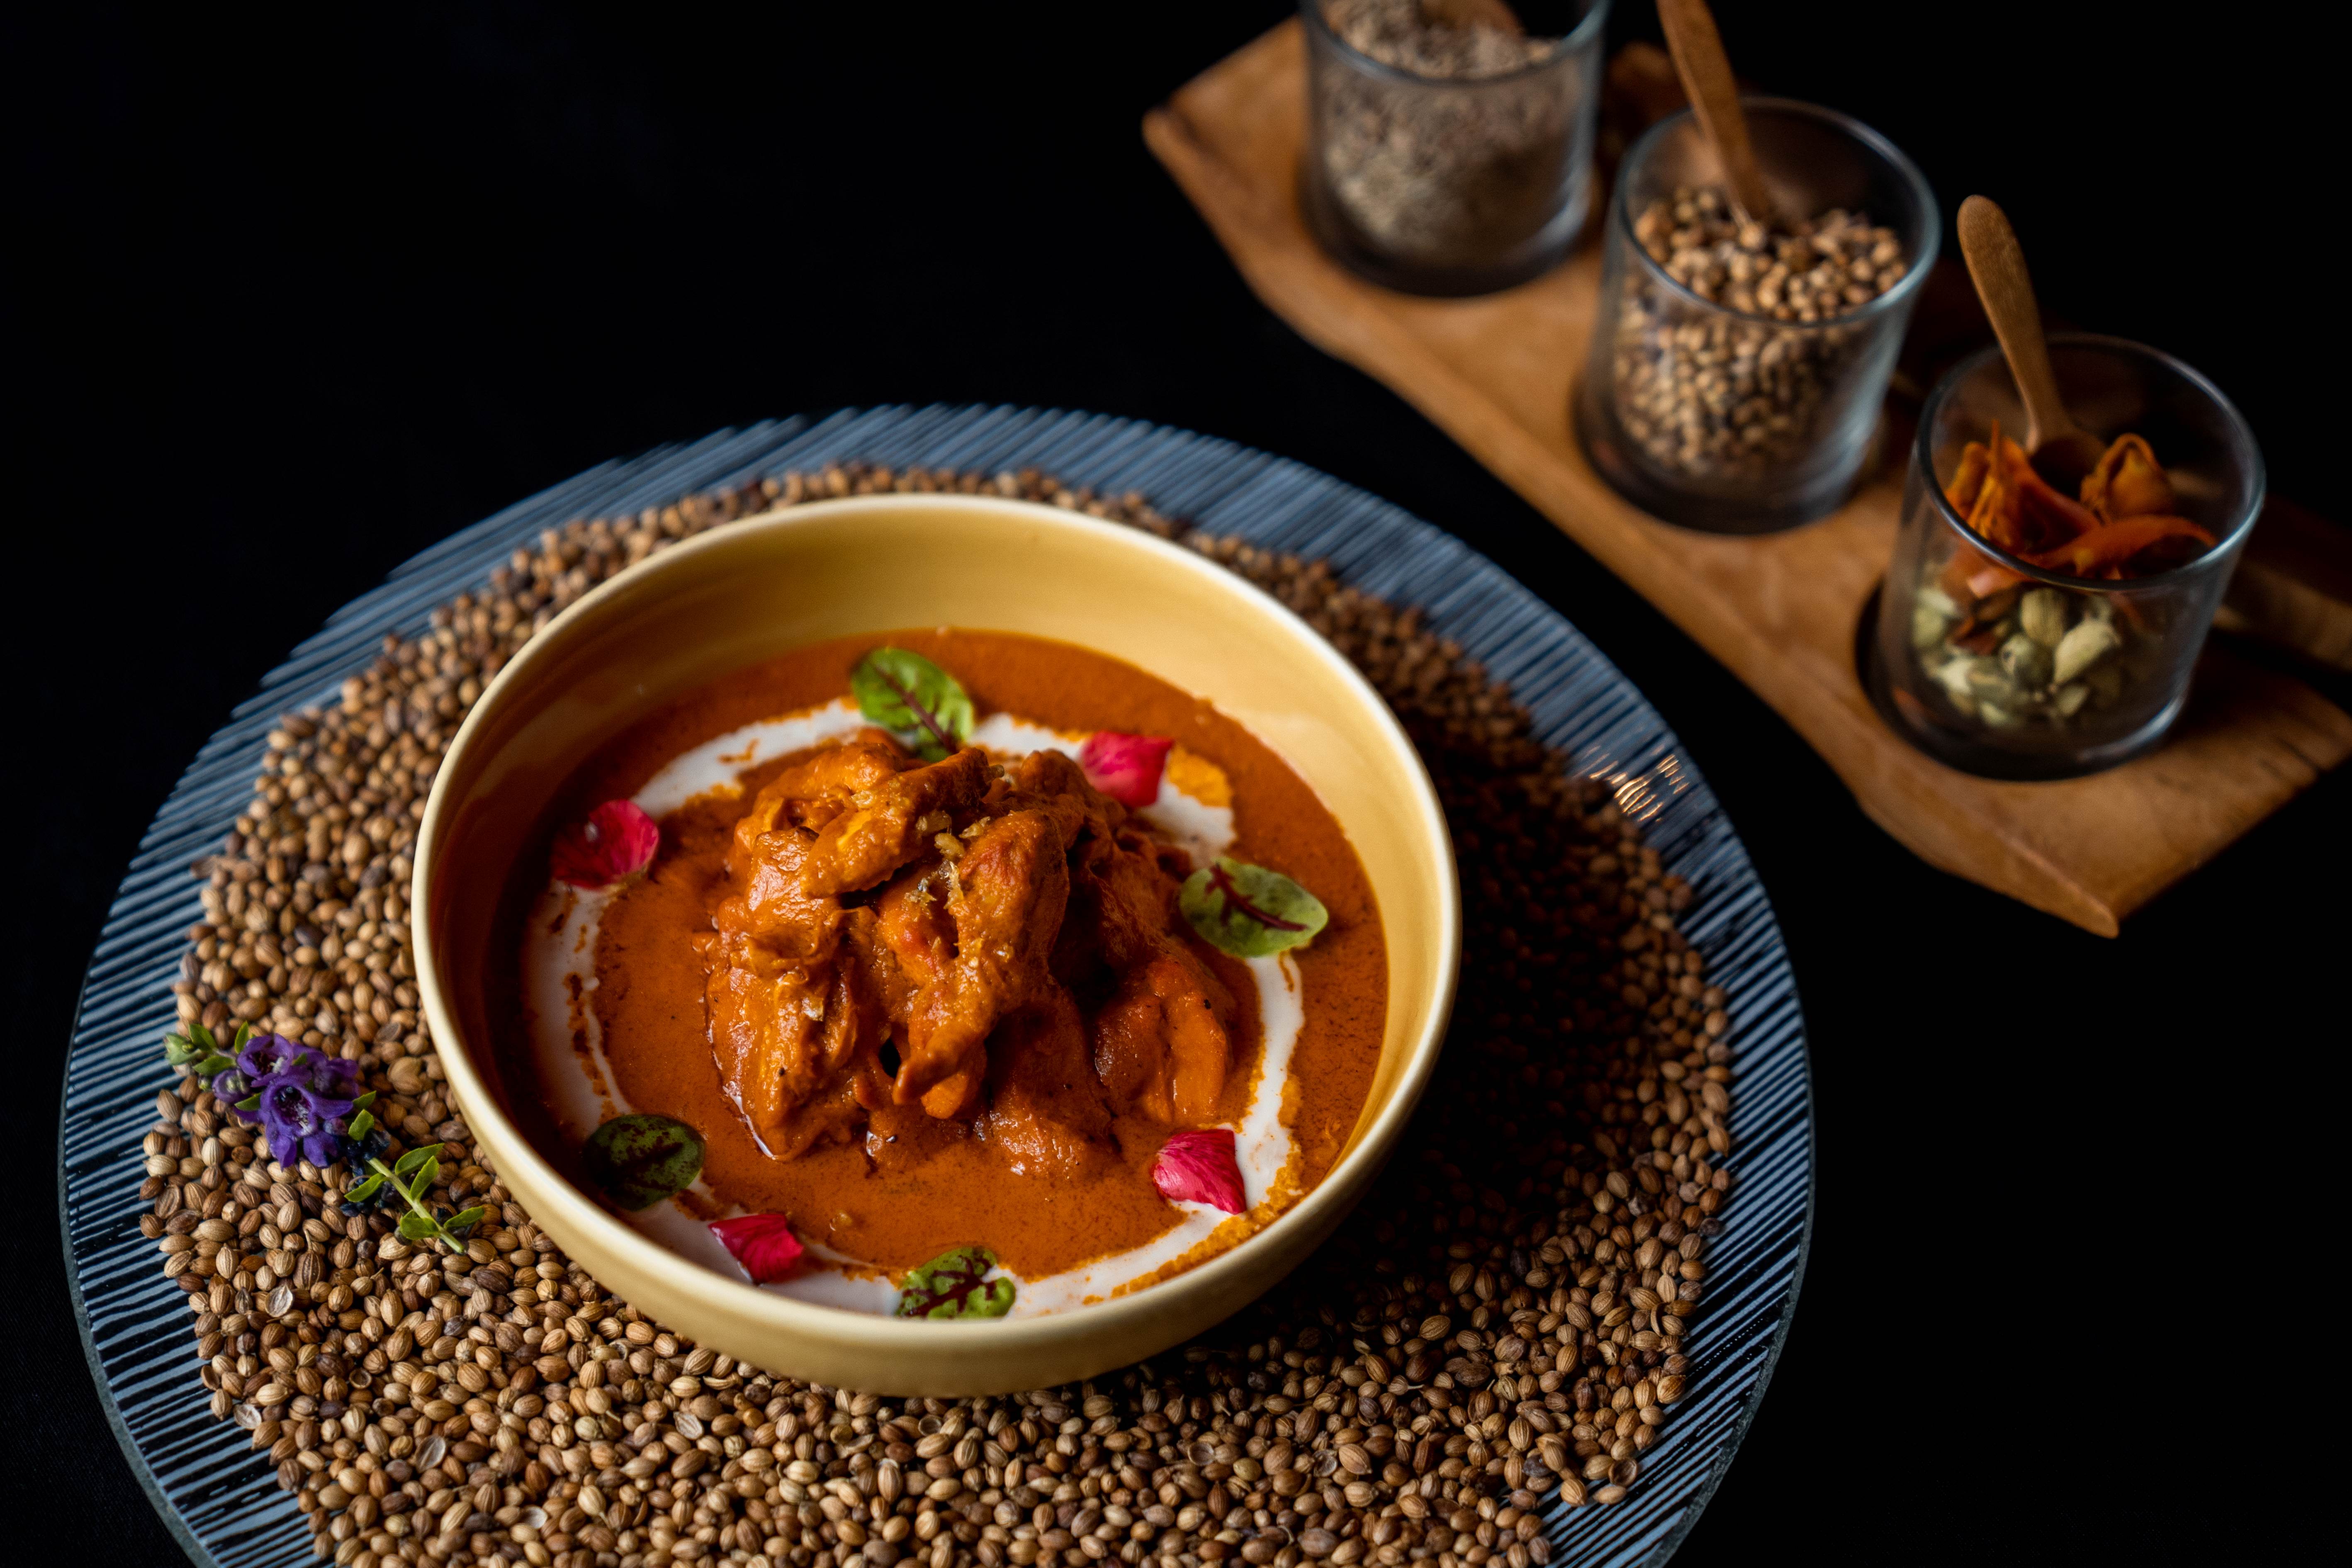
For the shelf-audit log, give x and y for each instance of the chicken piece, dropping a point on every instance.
(830, 1091)
(765, 1015)
(773, 906)
(892, 823)
(1129, 895)
(920, 931)
(792, 1025)
(1013, 886)
(960, 962)
(1163, 1042)
(1163, 1039)
(914, 924)
(1047, 1115)
(798, 1044)
(767, 860)
(1052, 782)
(813, 793)
(768, 969)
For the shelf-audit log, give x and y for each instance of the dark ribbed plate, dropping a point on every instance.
(222, 1499)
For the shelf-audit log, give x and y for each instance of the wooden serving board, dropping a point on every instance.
(1783, 610)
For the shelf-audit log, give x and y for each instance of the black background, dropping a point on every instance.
(293, 297)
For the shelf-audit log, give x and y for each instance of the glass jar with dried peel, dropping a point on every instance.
(2042, 625)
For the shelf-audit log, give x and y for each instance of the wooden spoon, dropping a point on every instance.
(1706, 71)
(2061, 451)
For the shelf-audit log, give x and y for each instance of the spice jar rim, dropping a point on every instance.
(2224, 550)
(1565, 48)
(1931, 232)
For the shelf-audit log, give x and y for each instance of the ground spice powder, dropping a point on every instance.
(1459, 160)
(1502, 1321)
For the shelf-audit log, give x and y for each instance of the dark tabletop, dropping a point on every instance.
(429, 259)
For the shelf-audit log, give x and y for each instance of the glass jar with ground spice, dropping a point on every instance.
(1449, 150)
(1738, 361)
(2043, 626)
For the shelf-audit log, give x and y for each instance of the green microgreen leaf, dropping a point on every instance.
(421, 1222)
(465, 1220)
(365, 1101)
(203, 1037)
(641, 1158)
(920, 703)
(360, 1124)
(251, 1102)
(179, 1050)
(415, 1158)
(1250, 911)
(956, 1285)
(214, 1063)
(421, 1179)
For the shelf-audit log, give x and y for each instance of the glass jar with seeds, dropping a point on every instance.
(2036, 624)
(1449, 144)
(1739, 360)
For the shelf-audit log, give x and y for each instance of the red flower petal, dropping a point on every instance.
(1125, 767)
(763, 1243)
(1200, 1168)
(617, 840)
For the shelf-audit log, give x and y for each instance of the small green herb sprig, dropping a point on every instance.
(1248, 910)
(956, 1285)
(922, 705)
(408, 1178)
(200, 1052)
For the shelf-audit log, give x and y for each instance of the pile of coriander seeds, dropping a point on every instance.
(1500, 1323)
(1726, 395)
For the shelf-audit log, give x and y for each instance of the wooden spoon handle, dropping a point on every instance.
(1997, 263)
(1706, 71)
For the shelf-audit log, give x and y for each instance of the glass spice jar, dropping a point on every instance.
(1443, 164)
(1745, 421)
(2042, 675)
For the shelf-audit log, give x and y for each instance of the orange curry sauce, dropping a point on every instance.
(957, 1188)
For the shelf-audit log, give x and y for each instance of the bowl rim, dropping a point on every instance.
(872, 1332)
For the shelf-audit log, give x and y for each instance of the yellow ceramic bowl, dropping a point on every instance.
(760, 587)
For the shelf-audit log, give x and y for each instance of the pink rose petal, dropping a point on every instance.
(617, 840)
(1125, 767)
(763, 1243)
(1200, 1168)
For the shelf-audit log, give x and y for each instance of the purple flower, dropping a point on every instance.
(303, 1097)
(266, 1055)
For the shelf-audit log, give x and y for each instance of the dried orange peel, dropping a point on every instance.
(2121, 528)
(2129, 547)
(2127, 482)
